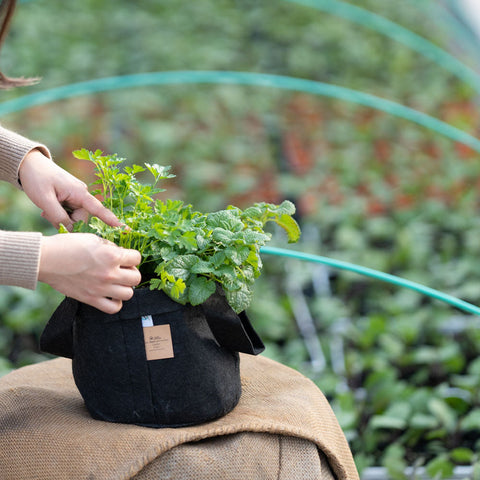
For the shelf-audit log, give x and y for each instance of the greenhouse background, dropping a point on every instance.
(364, 113)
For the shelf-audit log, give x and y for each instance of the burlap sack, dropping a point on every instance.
(282, 428)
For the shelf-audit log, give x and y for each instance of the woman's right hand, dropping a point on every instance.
(89, 269)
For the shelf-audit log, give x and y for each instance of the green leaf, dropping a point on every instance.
(471, 421)
(256, 238)
(82, 154)
(159, 171)
(462, 455)
(396, 417)
(389, 422)
(189, 241)
(155, 284)
(239, 299)
(177, 288)
(181, 266)
(394, 460)
(238, 255)
(253, 213)
(202, 267)
(200, 289)
(286, 208)
(224, 220)
(291, 227)
(218, 258)
(423, 421)
(474, 367)
(443, 412)
(440, 467)
(134, 169)
(220, 235)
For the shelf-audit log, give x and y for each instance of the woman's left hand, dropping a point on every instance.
(62, 197)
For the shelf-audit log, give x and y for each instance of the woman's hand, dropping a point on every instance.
(89, 269)
(54, 190)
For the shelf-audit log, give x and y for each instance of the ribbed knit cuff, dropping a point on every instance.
(19, 258)
(13, 148)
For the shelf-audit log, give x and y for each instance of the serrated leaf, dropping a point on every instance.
(218, 258)
(82, 154)
(155, 284)
(189, 241)
(202, 242)
(159, 171)
(181, 266)
(253, 213)
(200, 289)
(286, 208)
(256, 238)
(220, 235)
(237, 255)
(178, 288)
(226, 270)
(134, 169)
(202, 267)
(225, 220)
(239, 299)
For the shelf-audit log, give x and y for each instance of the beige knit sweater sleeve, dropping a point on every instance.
(19, 251)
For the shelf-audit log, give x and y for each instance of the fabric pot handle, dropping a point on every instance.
(232, 331)
(57, 336)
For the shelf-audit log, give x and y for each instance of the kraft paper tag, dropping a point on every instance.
(158, 342)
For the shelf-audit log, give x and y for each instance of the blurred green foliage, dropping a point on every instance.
(400, 370)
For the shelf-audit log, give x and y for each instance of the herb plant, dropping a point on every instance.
(185, 253)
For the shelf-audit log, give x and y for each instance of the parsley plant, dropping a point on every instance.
(185, 253)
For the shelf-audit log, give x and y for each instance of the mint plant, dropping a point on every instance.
(185, 253)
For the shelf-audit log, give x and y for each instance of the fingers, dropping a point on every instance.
(130, 277)
(130, 258)
(56, 214)
(79, 215)
(107, 305)
(115, 295)
(93, 270)
(120, 290)
(94, 207)
(50, 187)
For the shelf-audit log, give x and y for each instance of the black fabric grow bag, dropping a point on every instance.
(156, 363)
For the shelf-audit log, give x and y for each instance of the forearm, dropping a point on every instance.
(19, 258)
(13, 148)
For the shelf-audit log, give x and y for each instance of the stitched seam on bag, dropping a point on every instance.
(150, 389)
(132, 392)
